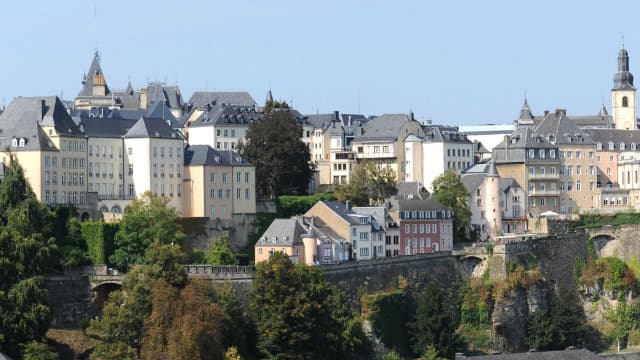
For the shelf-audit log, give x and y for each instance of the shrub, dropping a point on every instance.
(99, 239)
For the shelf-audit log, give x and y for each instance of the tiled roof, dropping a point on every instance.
(383, 128)
(226, 115)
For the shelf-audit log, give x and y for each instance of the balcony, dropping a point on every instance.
(544, 176)
(544, 193)
(115, 197)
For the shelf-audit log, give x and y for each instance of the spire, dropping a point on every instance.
(95, 78)
(130, 87)
(525, 111)
(269, 97)
(603, 110)
(623, 79)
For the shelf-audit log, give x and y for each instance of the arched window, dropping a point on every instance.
(625, 101)
(103, 208)
(116, 209)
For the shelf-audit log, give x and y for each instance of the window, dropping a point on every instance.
(385, 149)
(224, 178)
(578, 169)
(364, 251)
(578, 154)
(407, 228)
(554, 202)
(569, 170)
(552, 170)
(246, 194)
(542, 201)
(610, 145)
(212, 178)
(590, 154)
(578, 185)
(599, 146)
(364, 236)
(569, 154)
(376, 149)
(238, 193)
(246, 177)
(625, 101)
(541, 153)
(531, 170)
(228, 194)
(552, 154)
(238, 177)
(130, 169)
(532, 154)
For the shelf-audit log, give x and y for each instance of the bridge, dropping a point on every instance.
(615, 240)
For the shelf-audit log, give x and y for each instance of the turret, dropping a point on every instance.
(493, 213)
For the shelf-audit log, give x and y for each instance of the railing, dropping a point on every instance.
(543, 192)
(544, 176)
(218, 270)
(115, 197)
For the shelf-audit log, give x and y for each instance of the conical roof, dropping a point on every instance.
(87, 82)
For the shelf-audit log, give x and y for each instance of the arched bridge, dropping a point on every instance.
(615, 240)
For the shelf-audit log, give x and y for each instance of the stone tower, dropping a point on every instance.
(623, 95)
(493, 213)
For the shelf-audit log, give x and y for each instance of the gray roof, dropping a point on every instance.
(478, 148)
(623, 79)
(443, 133)
(340, 209)
(557, 128)
(162, 111)
(415, 204)
(127, 98)
(87, 81)
(206, 155)
(24, 116)
(616, 136)
(159, 92)
(291, 229)
(411, 188)
(577, 354)
(147, 127)
(200, 99)
(472, 181)
(223, 114)
(105, 127)
(383, 128)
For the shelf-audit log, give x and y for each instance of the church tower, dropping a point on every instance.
(623, 95)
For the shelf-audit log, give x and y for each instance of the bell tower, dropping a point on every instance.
(623, 95)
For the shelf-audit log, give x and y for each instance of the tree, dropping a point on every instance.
(275, 148)
(567, 318)
(450, 192)
(148, 220)
(219, 252)
(369, 185)
(38, 351)
(433, 326)
(298, 315)
(540, 337)
(27, 251)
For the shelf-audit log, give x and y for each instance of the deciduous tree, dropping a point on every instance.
(450, 192)
(281, 159)
(369, 185)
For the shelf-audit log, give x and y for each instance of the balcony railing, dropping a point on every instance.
(543, 192)
(115, 197)
(544, 176)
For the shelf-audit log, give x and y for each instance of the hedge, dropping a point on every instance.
(99, 238)
(289, 205)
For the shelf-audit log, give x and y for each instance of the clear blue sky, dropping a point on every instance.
(455, 62)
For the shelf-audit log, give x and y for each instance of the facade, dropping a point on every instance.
(444, 148)
(425, 226)
(283, 235)
(221, 127)
(218, 184)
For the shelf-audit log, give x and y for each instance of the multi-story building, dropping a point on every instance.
(381, 140)
(221, 126)
(218, 184)
(39, 133)
(425, 225)
(286, 236)
(443, 148)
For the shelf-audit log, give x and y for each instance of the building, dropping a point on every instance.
(217, 184)
(42, 137)
(286, 236)
(425, 226)
(443, 148)
(220, 126)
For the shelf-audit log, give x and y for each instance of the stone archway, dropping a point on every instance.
(606, 245)
(473, 266)
(101, 293)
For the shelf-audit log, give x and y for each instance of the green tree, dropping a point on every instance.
(281, 159)
(392, 355)
(298, 315)
(38, 351)
(431, 354)
(567, 318)
(389, 315)
(146, 221)
(433, 325)
(540, 336)
(219, 252)
(450, 192)
(369, 185)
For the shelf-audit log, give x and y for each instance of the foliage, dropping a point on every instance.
(620, 218)
(433, 325)
(239, 331)
(38, 351)
(617, 275)
(431, 354)
(299, 315)
(260, 225)
(219, 252)
(99, 237)
(183, 324)
(370, 184)
(475, 314)
(391, 355)
(275, 148)
(567, 318)
(623, 319)
(291, 205)
(165, 262)
(148, 220)
(450, 192)
(274, 104)
(540, 332)
(232, 354)
(389, 316)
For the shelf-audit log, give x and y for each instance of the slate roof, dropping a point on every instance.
(105, 127)
(577, 354)
(160, 110)
(206, 155)
(340, 209)
(128, 98)
(617, 136)
(292, 229)
(87, 81)
(478, 148)
(411, 188)
(159, 92)
(147, 127)
(23, 117)
(556, 127)
(200, 99)
(225, 115)
(443, 133)
(383, 128)
(415, 205)
(472, 181)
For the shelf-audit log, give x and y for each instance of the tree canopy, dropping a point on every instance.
(369, 185)
(147, 220)
(450, 192)
(275, 148)
(298, 315)
(433, 328)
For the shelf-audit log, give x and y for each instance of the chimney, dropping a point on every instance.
(143, 99)
(336, 115)
(347, 205)
(411, 116)
(546, 112)
(561, 112)
(506, 147)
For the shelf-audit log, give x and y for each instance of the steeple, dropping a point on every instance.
(94, 83)
(623, 79)
(603, 110)
(269, 97)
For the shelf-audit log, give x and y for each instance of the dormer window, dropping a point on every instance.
(14, 142)
(599, 146)
(263, 240)
(532, 154)
(611, 147)
(284, 239)
(22, 142)
(622, 146)
(633, 146)
(274, 239)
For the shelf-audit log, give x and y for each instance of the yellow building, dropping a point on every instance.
(284, 235)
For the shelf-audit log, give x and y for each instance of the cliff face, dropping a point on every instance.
(511, 315)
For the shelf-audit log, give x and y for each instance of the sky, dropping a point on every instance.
(453, 62)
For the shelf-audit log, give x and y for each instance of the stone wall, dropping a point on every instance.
(70, 297)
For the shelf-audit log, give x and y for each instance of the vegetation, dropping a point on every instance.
(291, 205)
(219, 252)
(299, 315)
(614, 273)
(598, 220)
(370, 184)
(434, 325)
(450, 192)
(147, 220)
(281, 159)
(99, 237)
(390, 315)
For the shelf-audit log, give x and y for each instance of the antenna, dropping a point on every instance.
(622, 40)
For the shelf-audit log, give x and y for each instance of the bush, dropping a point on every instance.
(290, 205)
(389, 317)
(99, 239)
